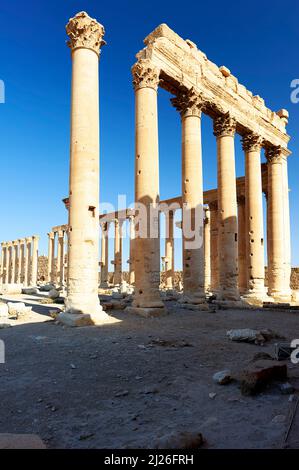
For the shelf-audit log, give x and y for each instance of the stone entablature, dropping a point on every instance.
(183, 66)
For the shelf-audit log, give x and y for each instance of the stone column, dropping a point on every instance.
(60, 258)
(147, 299)
(18, 262)
(86, 39)
(224, 130)
(22, 260)
(278, 285)
(254, 217)
(104, 254)
(286, 224)
(9, 262)
(213, 206)
(242, 258)
(189, 104)
(3, 262)
(27, 266)
(117, 278)
(51, 257)
(34, 261)
(207, 249)
(15, 256)
(132, 251)
(169, 250)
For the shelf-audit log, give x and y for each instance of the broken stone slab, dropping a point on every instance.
(21, 441)
(147, 312)
(256, 376)
(249, 335)
(15, 309)
(3, 310)
(30, 290)
(7, 289)
(180, 440)
(84, 319)
(223, 377)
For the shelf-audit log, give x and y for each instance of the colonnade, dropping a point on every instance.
(57, 255)
(19, 261)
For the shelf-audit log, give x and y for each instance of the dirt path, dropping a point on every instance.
(111, 387)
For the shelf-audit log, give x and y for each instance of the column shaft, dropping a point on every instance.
(207, 249)
(214, 246)
(169, 250)
(242, 259)
(117, 252)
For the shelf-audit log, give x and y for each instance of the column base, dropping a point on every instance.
(203, 307)
(280, 296)
(147, 312)
(194, 299)
(84, 319)
(258, 295)
(231, 304)
(228, 295)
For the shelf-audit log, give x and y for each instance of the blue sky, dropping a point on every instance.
(258, 43)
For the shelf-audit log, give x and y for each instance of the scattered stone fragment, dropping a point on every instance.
(3, 310)
(223, 377)
(53, 294)
(4, 325)
(248, 335)
(279, 419)
(286, 388)
(261, 373)
(180, 440)
(46, 288)
(15, 309)
(122, 393)
(30, 290)
(212, 395)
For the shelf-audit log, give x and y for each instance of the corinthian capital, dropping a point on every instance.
(274, 154)
(251, 142)
(85, 32)
(145, 75)
(224, 125)
(188, 103)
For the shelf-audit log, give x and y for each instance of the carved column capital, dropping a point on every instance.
(15, 243)
(145, 75)
(224, 125)
(85, 32)
(251, 142)
(28, 240)
(51, 235)
(188, 103)
(274, 154)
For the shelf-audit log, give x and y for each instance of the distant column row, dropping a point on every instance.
(19, 261)
(57, 260)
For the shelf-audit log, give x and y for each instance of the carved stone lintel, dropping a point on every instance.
(213, 205)
(145, 75)
(224, 126)
(188, 103)
(274, 154)
(251, 142)
(85, 32)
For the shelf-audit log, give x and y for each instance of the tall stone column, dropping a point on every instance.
(86, 39)
(147, 301)
(254, 217)
(51, 257)
(34, 261)
(189, 104)
(224, 130)
(278, 285)
(22, 260)
(117, 252)
(27, 266)
(3, 262)
(286, 223)
(18, 262)
(9, 262)
(15, 256)
(132, 251)
(242, 258)
(213, 206)
(104, 254)
(169, 250)
(60, 258)
(207, 249)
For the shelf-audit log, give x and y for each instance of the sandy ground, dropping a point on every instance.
(109, 387)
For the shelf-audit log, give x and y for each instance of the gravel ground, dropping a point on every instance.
(115, 386)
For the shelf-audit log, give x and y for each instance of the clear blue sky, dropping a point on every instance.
(257, 42)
